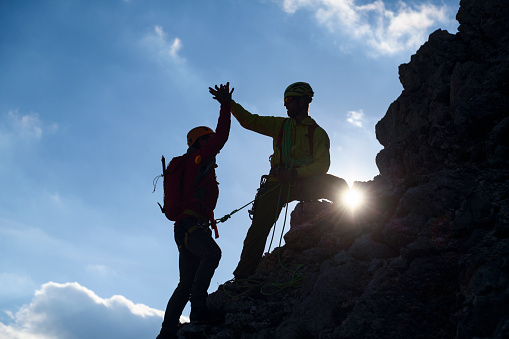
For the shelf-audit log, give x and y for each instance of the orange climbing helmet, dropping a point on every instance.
(196, 133)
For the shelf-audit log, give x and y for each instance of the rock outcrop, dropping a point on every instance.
(428, 255)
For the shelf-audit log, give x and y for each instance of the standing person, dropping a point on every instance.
(299, 164)
(199, 254)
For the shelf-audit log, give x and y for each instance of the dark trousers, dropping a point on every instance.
(268, 207)
(199, 257)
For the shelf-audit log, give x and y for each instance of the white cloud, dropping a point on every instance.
(25, 127)
(162, 47)
(291, 6)
(175, 47)
(28, 126)
(159, 31)
(9, 332)
(385, 30)
(71, 311)
(355, 118)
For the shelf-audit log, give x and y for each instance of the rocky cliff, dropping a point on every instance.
(428, 255)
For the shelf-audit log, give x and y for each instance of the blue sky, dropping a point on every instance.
(92, 93)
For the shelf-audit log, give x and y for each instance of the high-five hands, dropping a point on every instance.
(222, 93)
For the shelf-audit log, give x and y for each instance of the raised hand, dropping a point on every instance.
(222, 93)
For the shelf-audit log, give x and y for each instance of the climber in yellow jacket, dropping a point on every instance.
(299, 164)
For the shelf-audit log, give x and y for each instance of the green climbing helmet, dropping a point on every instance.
(299, 89)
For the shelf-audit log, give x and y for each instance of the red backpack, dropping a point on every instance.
(173, 183)
(173, 187)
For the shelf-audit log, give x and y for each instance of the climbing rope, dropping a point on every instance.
(296, 278)
(287, 148)
(228, 216)
(287, 144)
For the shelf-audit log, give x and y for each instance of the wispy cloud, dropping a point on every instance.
(168, 53)
(164, 48)
(101, 270)
(159, 31)
(27, 127)
(386, 31)
(175, 47)
(355, 118)
(72, 311)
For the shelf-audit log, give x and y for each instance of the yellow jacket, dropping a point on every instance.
(271, 126)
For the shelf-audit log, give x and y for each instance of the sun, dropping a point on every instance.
(353, 198)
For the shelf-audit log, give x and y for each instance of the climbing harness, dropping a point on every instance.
(259, 193)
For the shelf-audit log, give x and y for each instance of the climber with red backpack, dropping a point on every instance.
(299, 166)
(191, 192)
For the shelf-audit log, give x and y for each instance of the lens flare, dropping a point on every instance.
(353, 198)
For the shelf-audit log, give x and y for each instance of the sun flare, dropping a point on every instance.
(353, 198)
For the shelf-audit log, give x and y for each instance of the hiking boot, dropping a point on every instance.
(203, 315)
(235, 282)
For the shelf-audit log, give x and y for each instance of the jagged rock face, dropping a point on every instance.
(455, 102)
(446, 150)
(428, 255)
